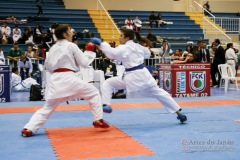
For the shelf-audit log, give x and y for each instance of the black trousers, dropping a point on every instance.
(214, 71)
(39, 10)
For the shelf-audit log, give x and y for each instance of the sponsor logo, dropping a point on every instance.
(197, 81)
(181, 82)
(167, 81)
(1, 83)
(192, 66)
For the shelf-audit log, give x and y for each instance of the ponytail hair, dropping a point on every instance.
(142, 40)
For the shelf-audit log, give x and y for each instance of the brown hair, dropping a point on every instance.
(128, 33)
(61, 28)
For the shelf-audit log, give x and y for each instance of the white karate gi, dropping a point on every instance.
(17, 33)
(2, 59)
(231, 59)
(131, 55)
(65, 86)
(19, 85)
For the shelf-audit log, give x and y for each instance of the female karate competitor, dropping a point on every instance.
(137, 79)
(64, 59)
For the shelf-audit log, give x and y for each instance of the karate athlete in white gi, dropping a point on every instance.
(64, 59)
(136, 78)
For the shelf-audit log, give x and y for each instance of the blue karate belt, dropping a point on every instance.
(141, 66)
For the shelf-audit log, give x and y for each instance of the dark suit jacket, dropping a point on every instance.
(200, 53)
(219, 57)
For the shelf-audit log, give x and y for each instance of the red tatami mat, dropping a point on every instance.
(88, 142)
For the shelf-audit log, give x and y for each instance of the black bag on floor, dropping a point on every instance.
(119, 96)
(35, 93)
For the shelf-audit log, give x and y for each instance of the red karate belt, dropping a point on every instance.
(63, 70)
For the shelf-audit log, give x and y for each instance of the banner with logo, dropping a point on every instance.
(185, 80)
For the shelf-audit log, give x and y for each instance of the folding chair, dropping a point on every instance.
(226, 75)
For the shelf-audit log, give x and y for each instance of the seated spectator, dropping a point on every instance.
(40, 52)
(30, 53)
(108, 67)
(37, 34)
(165, 50)
(189, 59)
(152, 19)
(6, 34)
(52, 30)
(151, 37)
(207, 10)
(159, 20)
(1, 57)
(12, 18)
(14, 54)
(1, 35)
(189, 49)
(17, 84)
(177, 54)
(110, 70)
(25, 67)
(47, 40)
(71, 29)
(17, 33)
(129, 23)
(25, 38)
(137, 24)
(112, 44)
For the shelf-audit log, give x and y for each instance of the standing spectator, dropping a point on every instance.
(25, 66)
(152, 19)
(165, 50)
(16, 33)
(207, 10)
(137, 24)
(203, 54)
(129, 23)
(39, 5)
(231, 57)
(151, 37)
(219, 58)
(15, 53)
(212, 51)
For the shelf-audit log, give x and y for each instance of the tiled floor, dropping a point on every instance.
(142, 124)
